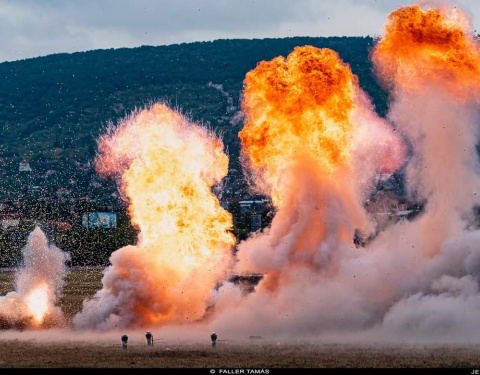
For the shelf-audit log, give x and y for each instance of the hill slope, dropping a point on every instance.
(52, 108)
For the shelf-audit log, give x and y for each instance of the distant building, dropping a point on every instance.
(9, 221)
(103, 220)
(24, 167)
(387, 207)
(83, 166)
(255, 222)
(247, 205)
(62, 191)
(62, 225)
(34, 189)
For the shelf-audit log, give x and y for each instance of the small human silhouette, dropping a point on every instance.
(213, 336)
(149, 337)
(124, 342)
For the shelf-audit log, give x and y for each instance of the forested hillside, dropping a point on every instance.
(52, 108)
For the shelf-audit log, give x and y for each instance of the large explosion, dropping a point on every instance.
(298, 107)
(307, 136)
(431, 61)
(305, 122)
(429, 47)
(167, 167)
(38, 286)
(313, 143)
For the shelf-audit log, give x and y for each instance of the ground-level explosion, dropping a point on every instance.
(313, 142)
(430, 60)
(38, 284)
(417, 280)
(166, 167)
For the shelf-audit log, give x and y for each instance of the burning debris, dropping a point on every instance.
(38, 285)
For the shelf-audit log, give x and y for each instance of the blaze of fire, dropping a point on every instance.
(37, 303)
(296, 106)
(168, 167)
(429, 46)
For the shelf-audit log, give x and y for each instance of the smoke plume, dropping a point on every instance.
(313, 142)
(418, 279)
(430, 60)
(38, 285)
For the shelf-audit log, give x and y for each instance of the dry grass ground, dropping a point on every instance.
(244, 355)
(6, 282)
(253, 354)
(78, 286)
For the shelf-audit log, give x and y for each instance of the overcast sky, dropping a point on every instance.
(31, 28)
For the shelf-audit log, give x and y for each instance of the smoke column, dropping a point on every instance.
(432, 65)
(311, 141)
(38, 285)
(430, 61)
(166, 167)
(418, 280)
(300, 139)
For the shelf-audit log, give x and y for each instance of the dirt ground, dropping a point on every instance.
(230, 354)
(18, 353)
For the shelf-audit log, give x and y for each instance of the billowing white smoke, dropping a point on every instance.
(38, 285)
(439, 251)
(315, 279)
(417, 280)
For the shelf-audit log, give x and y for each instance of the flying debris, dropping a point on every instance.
(312, 142)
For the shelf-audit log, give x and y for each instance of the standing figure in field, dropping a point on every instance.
(149, 338)
(213, 336)
(124, 342)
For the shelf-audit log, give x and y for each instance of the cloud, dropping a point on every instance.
(30, 28)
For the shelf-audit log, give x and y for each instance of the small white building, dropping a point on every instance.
(24, 166)
(9, 221)
(247, 205)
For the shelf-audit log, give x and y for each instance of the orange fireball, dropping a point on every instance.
(38, 303)
(433, 46)
(166, 167)
(296, 106)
